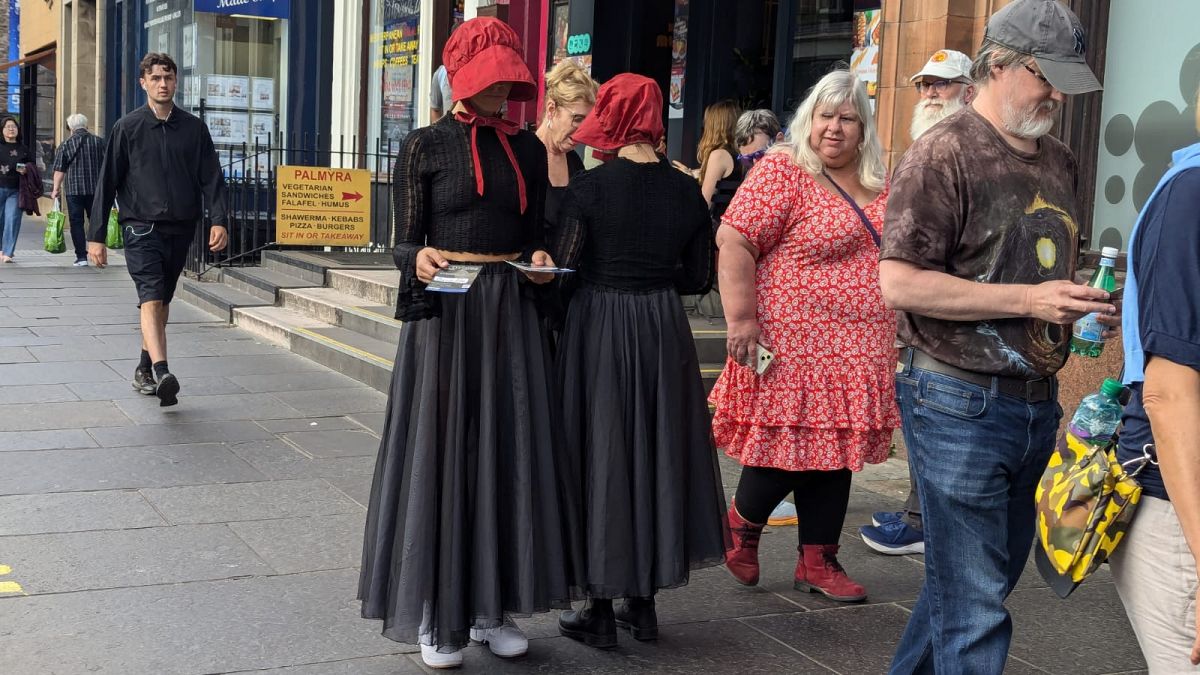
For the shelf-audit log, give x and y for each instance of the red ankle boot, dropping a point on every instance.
(742, 559)
(818, 571)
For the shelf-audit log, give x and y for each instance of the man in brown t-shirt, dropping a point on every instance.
(979, 249)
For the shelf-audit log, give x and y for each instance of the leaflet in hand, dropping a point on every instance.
(457, 278)
(529, 267)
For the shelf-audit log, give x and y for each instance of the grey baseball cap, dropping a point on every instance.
(1052, 35)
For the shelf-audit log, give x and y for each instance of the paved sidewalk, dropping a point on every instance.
(222, 535)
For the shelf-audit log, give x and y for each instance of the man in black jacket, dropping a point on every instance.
(160, 165)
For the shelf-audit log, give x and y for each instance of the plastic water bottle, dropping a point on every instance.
(1086, 340)
(1098, 415)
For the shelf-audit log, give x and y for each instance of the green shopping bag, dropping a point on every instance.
(113, 238)
(54, 241)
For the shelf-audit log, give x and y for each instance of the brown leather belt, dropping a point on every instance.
(1033, 391)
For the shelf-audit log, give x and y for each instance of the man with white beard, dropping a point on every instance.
(945, 86)
(980, 245)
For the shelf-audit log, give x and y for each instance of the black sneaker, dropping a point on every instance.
(143, 382)
(168, 390)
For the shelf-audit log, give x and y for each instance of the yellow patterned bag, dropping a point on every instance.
(1085, 502)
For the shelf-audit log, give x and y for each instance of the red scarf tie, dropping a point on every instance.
(504, 128)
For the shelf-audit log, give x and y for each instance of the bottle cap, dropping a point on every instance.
(1110, 252)
(1112, 388)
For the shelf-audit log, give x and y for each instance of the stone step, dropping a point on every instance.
(313, 265)
(346, 311)
(353, 354)
(262, 282)
(377, 286)
(217, 298)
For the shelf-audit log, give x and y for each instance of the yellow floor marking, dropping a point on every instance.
(7, 587)
(342, 345)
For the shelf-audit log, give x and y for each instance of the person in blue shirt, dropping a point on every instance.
(1155, 565)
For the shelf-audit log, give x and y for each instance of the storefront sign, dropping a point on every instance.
(274, 9)
(579, 44)
(318, 206)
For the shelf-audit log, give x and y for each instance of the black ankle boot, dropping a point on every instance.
(637, 615)
(593, 624)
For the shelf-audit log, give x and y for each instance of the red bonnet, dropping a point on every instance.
(485, 51)
(628, 110)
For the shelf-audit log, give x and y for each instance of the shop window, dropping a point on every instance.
(392, 72)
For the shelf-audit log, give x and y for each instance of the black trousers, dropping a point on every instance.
(821, 499)
(79, 206)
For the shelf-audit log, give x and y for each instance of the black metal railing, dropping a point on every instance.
(250, 185)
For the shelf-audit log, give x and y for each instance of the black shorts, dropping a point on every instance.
(155, 259)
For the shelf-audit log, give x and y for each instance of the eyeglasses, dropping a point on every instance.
(1037, 75)
(939, 86)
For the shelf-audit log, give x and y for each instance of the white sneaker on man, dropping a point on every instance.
(439, 660)
(506, 640)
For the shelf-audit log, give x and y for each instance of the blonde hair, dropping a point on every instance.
(833, 90)
(567, 82)
(720, 119)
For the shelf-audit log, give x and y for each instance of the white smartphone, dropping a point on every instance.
(762, 358)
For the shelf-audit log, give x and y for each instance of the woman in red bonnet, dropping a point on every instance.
(634, 414)
(464, 525)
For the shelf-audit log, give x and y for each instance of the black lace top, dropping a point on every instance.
(434, 201)
(636, 227)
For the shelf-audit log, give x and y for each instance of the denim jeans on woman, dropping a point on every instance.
(978, 455)
(12, 219)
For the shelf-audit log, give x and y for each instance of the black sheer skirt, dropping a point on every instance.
(637, 424)
(467, 520)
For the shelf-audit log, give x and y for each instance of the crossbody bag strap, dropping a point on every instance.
(857, 209)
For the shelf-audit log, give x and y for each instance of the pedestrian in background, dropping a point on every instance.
(980, 249)
(633, 408)
(799, 279)
(15, 160)
(160, 164)
(570, 95)
(755, 132)
(944, 85)
(1155, 566)
(78, 163)
(717, 147)
(464, 524)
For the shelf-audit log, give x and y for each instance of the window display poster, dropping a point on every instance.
(227, 91)
(561, 22)
(262, 93)
(262, 128)
(868, 26)
(678, 60)
(228, 128)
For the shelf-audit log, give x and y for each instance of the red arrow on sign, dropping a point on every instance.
(347, 196)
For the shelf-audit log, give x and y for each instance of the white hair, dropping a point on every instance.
(833, 90)
(76, 121)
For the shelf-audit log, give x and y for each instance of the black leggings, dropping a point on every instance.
(821, 499)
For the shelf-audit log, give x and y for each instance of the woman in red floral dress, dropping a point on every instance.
(799, 270)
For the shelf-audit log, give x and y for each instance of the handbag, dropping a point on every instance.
(1085, 503)
(113, 237)
(53, 239)
(857, 209)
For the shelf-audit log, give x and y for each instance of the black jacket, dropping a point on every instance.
(159, 171)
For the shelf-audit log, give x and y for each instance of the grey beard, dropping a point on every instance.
(925, 117)
(1026, 124)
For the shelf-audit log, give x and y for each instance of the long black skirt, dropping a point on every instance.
(465, 522)
(637, 426)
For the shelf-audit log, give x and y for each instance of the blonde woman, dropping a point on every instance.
(717, 148)
(799, 275)
(570, 96)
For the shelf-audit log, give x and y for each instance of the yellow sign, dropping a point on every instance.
(319, 206)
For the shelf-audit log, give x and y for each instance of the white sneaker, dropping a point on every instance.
(435, 659)
(506, 641)
(80, 263)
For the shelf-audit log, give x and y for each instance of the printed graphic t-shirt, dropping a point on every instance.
(966, 203)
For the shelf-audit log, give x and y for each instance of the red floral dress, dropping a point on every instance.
(828, 400)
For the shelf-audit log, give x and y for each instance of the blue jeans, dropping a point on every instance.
(12, 219)
(978, 455)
